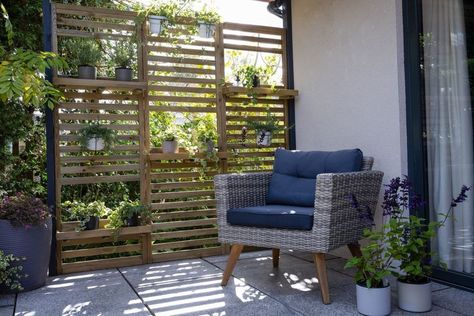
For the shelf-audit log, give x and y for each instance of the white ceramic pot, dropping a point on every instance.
(373, 301)
(170, 147)
(206, 30)
(156, 23)
(414, 297)
(95, 143)
(264, 138)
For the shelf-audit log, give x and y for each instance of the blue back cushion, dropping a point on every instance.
(294, 173)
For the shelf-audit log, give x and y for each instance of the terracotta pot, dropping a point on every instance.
(87, 72)
(414, 297)
(373, 301)
(33, 244)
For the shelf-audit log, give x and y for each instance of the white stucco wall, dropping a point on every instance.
(348, 66)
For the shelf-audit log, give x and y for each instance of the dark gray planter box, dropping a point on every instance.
(34, 244)
(123, 74)
(87, 72)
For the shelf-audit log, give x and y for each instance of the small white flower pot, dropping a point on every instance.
(170, 147)
(264, 138)
(206, 30)
(414, 297)
(95, 143)
(373, 301)
(156, 22)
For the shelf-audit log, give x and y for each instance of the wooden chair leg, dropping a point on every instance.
(320, 262)
(276, 257)
(354, 248)
(233, 257)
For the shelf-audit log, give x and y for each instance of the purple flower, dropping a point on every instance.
(461, 197)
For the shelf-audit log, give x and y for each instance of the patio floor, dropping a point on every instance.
(192, 287)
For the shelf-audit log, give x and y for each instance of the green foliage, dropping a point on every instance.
(97, 130)
(83, 212)
(82, 52)
(126, 210)
(159, 124)
(208, 16)
(375, 264)
(124, 54)
(10, 272)
(23, 210)
(270, 124)
(247, 74)
(170, 136)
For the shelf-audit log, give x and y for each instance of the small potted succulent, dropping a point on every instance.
(85, 54)
(96, 137)
(25, 232)
(207, 21)
(129, 214)
(264, 129)
(408, 239)
(170, 143)
(124, 57)
(88, 215)
(11, 272)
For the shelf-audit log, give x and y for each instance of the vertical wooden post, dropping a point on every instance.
(284, 80)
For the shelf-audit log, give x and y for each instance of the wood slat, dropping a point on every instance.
(184, 254)
(102, 233)
(193, 109)
(97, 169)
(183, 51)
(99, 179)
(182, 79)
(185, 61)
(184, 233)
(252, 28)
(98, 35)
(249, 48)
(163, 216)
(256, 39)
(183, 194)
(97, 106)
(94, 24)
(184, 243)
(94, 159)
(181, 185)
(116, 127)
(77, 149)
(187, 204)
(67, 254)
(98, 117)
(182, 89)
(185, 224)
(91, 265)
(182, 99)
(177, 69)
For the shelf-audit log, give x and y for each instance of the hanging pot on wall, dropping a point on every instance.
(95, 143)
(32, 243)
(170, 147)
(414, 297)
(373, 301)
(206, 30)
(123, 73)
(92, 223)
(87, 72)
(156, 22)
(264, 138)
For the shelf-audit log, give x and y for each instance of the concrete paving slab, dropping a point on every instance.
(306, 255)
(244, 255)
(6, 310)
(81, 294)
(169, 272)
(455, 300)
(7, 299)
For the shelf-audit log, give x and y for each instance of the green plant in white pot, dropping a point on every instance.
(88, 215)
(207, 21)
(265, 128)
(124, 57)
(170, 143)
(408, 239)
(96, 137)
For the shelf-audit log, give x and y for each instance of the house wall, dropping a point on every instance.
(348, 67)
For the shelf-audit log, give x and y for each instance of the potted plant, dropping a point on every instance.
(159, 16)
(264, 129)
(96, 136)
(207, 21)
(124, 57)
(85, 54)
(25, 232)
(10, 273)
(250, 76)
(170, 143)
(129, 214)
(408, 238)
(88, 215)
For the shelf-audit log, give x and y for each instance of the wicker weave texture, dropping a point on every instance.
(336, 222)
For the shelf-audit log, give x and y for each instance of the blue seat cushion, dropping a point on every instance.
(294, 173)
(272, 216)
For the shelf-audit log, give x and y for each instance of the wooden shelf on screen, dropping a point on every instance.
(281, 93)
(104, 232)
(104, 84)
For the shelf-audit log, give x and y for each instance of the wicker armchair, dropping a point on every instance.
(335, 223)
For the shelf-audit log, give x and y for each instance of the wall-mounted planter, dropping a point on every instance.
(87, 72)
(95, 144)
(123, 74)
(206, 30)
(156, 23)
(373, 301)
(170, 147)
(264, 138)
(414, 297)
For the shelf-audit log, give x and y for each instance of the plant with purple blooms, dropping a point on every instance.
(23, 210)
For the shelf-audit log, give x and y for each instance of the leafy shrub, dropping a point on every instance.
(23, 210)
(124, 54)
(126, 210)
(81, 52)
(83, 212)
(10, 272)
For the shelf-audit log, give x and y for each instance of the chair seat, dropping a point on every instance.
(272, 216)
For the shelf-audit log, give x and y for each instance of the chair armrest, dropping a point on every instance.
(334, 214)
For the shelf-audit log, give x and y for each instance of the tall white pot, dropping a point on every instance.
(95, 143)
(206, 30)
(414, 297)
(156, 23)
(170, 147)
(373, 301)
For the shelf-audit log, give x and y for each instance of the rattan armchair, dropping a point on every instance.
(335, 223)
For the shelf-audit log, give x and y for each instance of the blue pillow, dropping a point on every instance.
(294, 173)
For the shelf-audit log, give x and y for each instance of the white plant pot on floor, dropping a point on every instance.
(95, 144)
(206, 30)
(264, 138)
(156, 23)
(373, 301)
(170, 147)
(414, 297)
